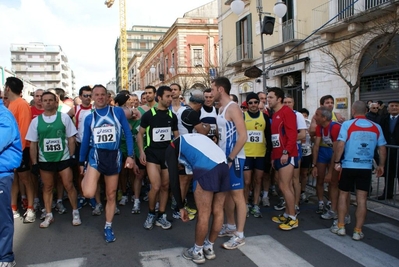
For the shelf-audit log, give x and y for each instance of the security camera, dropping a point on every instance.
(258, 80)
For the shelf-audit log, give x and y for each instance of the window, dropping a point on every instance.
(244, 38)
(197, 56)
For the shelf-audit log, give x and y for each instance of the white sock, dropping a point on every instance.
(108, 224)
(265, 193)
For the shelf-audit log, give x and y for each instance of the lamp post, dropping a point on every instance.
(280, 9)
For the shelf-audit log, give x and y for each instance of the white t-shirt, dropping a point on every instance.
(66, 120)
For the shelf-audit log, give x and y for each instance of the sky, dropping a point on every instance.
(86, 30)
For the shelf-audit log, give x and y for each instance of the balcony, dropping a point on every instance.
(346, 13)
(243, 54)
(293, 31)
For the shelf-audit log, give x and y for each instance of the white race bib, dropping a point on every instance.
(276, 140)
(161, 134)
(103, 135)
(254, 136)
(52, 145)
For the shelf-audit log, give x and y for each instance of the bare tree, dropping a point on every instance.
(344, 54)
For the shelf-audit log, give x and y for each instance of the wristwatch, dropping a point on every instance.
(285, 152)
(229, 160)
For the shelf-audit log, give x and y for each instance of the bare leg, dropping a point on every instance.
(111, 184)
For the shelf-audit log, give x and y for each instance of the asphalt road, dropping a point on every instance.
(311, 244)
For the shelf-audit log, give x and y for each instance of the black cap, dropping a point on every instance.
(393, 101)
(121, 99)
(252, 95)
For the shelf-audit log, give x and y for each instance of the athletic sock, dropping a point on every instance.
(108, 224)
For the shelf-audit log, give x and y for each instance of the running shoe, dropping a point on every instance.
(328, 205)
(92, 203)
(197, 257)
(8, 264)
(81, 202)
(209, 252)
(279, 219)
(36, 205)
(190, 210)
(329, 214)
(76, 218)
(234, 242)
(97, 210)
(225, 231)
(289, 224)
(357, 236)
(49, 219)
(255, 211)
(60, 208)
(123, 201)
(176, 215)
(320, 209)
(109, 235)
(303, 198)
(163, 222)
(337, 230)
(43, 215)
(16, 214)
(53, 204)
(117, 211)
(136, 207)
(281, 205)
(248, 209)
(145, 198)
(149, 222)
(265, 202)
(30, 216)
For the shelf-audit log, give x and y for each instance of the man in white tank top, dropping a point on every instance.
(232, 137)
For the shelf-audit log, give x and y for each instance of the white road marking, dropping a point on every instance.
(387, 229)
(266, 251)
(355, 250)
(171, 257)
(77, 262)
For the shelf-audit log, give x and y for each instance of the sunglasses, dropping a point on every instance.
(253, 102)
(1, 97)
(373, 108)
(86, 96)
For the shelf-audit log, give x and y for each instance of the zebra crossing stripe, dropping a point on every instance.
(355, 250)
(164, 258)
(266, 250)
(387, 229)
(77, 262)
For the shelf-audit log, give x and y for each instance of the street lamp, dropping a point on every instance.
(152, 69)
(280, 9)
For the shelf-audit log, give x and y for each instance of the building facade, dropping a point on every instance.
(188, 52)
(339, 47)
(45, 66)
(140, 40)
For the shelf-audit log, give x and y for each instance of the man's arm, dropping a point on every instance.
(234, 114)
(382, 152)
(33, 152)
(312, 127)
(140, 144)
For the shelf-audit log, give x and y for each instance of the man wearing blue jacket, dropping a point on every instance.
(10, 159)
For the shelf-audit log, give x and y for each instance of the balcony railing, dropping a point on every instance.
(244, 51)
(349, 8)
(293, 30)
(373, 3)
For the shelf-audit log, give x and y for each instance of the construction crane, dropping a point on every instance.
(122, 42)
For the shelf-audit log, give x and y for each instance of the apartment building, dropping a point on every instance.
(45, 66)
(188, 52)
(140, 40)
(346, 48)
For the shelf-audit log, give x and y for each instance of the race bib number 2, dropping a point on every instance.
(104, 135)
(162, 134)
(275, 140)
(52, 145)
